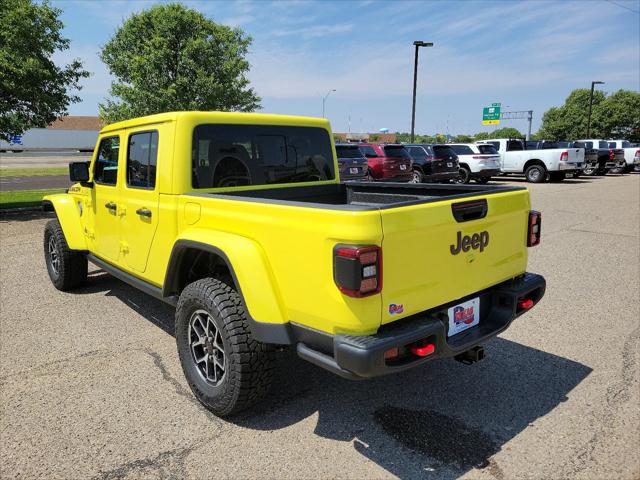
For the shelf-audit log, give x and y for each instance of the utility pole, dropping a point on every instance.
(593, 84)
(417, 44)
(324, 99)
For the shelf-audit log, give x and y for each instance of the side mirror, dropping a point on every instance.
(79, 172)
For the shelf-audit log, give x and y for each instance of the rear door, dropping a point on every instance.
(139, 201)
(427, 261)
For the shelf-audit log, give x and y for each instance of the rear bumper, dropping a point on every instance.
(395, 177)
(489, 172)
(359, 357)
(441, 176)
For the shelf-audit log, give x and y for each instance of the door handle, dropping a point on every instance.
(111, 205)
(143, 212)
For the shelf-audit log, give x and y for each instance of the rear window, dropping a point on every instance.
(586, 145)
(442, 151)
(487, 149)
(626, 144)
(462, 149)
(236, 155)
(348, 152)
(396, 152)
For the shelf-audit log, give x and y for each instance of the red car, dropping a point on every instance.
(389, 163)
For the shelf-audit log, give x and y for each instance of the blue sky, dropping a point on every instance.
(526, 55)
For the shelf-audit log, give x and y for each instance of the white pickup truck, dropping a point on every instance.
(631, 155)
(537, 165)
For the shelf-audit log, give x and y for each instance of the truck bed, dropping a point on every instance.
(362, 195)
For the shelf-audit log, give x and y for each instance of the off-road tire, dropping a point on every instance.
(535, 173)
(249, 364)
(68, 269)
(464, 175)
(557, 177)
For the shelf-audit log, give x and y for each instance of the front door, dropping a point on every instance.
(139, 201)
(106, 194)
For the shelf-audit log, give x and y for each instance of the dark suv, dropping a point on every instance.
(352, 163)
(433, 163)
(389, 163)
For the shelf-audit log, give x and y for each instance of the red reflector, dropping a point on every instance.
(391, 353)
(525, 304)
(424, 351)
(368, 285)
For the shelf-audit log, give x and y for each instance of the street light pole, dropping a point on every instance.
(593, 84)
(324, 99)
(417, 44)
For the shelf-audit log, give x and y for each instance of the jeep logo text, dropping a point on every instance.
(466, 243)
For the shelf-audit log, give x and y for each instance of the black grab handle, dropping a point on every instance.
(471, 210)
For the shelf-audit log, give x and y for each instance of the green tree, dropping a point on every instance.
(618, 116)
(507, 132)
(171, 57)
(569, 121)
(34, 91)
(463, 138)
(482, 136)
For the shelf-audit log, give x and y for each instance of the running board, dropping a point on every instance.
(146, 287)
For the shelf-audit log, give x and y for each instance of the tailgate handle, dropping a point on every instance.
(472, 210)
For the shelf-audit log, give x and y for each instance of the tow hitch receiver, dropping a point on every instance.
(471, 356)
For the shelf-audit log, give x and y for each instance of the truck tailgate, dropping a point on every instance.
(431, 258)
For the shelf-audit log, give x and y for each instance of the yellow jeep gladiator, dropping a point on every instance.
(241, 222)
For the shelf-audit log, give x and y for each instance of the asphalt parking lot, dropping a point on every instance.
(91, 386)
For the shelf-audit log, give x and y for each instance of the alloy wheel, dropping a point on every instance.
(207, 348)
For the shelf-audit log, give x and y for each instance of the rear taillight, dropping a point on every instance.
(357, 271)
(637, 153)
(533, 231)
(564, 157)
(612, 155)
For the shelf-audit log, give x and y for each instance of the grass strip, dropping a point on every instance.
(25, 198)
(33, 172)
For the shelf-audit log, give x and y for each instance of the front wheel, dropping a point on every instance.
(226, 367)
(535, 174)
(67, 268)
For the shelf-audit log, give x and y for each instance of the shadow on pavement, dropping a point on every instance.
(437, 421)
(24, 215)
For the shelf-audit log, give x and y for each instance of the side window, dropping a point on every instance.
(105, 170)
(417, 152)
(496, 145)
(603, 145)
(142, 159)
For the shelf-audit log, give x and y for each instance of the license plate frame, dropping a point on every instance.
(463, 316)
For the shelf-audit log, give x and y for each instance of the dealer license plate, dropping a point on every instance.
(353, 170)
(403, 167)
(463, 316)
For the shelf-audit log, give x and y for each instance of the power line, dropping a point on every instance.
(623, 6)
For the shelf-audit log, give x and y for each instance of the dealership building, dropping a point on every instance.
(67, 133)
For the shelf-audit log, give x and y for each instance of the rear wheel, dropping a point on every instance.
(619, 170)
(416, 177)
(535, 173)
(226, 367)
(464, 175)
(67, 268)
(590, 170)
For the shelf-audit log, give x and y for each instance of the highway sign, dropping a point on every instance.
(491, 115)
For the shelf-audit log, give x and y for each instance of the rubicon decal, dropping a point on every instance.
(395, 309)
(477, 241)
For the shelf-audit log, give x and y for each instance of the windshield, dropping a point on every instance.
(443, 151)
(235, 155)
(348, 152)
